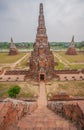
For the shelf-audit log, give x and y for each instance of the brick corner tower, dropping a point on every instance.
(71, 50)
(41, 60)
(13, 50)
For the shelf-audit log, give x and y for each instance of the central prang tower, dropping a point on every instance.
(41, 60)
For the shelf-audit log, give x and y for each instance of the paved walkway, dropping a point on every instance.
(42, 100)
(43, 118)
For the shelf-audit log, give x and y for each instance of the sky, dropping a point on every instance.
(63, 18)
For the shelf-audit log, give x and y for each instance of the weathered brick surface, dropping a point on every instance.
(13, 50)
(70, 110)
(16, 72)
(42, 59)
(12, 111)
(73, 71)
(71, 50)
(43, 118)
(60, 96)
(1, 71)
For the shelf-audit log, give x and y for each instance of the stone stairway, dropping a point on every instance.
(43, 118)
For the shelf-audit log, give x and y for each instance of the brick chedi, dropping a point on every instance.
(71, 50)
(13, 50)
(42, 59)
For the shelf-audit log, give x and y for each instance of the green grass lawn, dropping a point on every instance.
(60, 66)
(4, 87)
(73, 58)
(28, 89)
(5, 58)
(74, 61)
(24, 61)
(78, 66)
(73, 88)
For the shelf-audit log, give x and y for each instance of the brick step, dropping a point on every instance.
(41, 128)
(44, 119)
(47, 118)
(48, 128)
(38, 126)
(45, 124)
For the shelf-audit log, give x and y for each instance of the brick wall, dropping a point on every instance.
(70, 111)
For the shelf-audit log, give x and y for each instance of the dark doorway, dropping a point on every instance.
(41, 76)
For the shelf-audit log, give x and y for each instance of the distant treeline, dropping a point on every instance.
(22, 45)
(65, 45)
(53, 45)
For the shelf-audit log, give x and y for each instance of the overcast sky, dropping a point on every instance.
(63, 18)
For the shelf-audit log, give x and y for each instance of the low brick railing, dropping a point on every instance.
(16, 72)
(13, 110)
(67, 71)
(68, 111)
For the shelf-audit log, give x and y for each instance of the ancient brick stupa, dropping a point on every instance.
(42, 59)
(71, 50)
(13, 50)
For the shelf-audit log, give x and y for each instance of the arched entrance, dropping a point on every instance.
(42, 77)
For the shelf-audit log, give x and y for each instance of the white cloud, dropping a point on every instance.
(19, 18)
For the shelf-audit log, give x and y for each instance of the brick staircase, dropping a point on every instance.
(43, 118)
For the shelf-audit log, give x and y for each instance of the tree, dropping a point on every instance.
(81, 45)
(13, 91)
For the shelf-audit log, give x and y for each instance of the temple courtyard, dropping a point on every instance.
(46, 87)
(39, 102)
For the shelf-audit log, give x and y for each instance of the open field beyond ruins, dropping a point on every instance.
(64, 61)
(79, 58)
(72, 88)
(69, 61)
(30, 88)
(5, 58)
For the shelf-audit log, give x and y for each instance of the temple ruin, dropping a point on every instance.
(41, 60)
(13, 50)
(71, 50)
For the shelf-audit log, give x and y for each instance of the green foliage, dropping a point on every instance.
(81, 45)
(53, 45)
(13, 91)
(22, 45)
(59, 66)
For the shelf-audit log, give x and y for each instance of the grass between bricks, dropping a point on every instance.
(73, 88)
